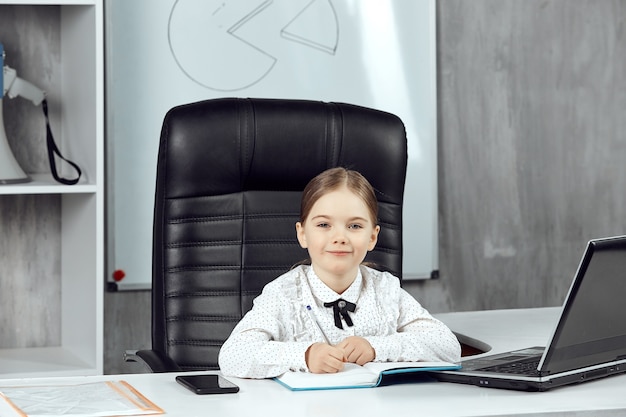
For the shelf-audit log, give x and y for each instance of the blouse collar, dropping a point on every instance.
(324, 294)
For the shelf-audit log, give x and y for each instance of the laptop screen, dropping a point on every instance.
(592, 328)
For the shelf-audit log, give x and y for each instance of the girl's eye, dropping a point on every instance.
(323, 225)
(355, 226)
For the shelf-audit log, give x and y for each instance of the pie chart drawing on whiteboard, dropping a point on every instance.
(230, 45)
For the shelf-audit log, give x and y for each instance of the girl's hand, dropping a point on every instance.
(357, 350)
(323, 358)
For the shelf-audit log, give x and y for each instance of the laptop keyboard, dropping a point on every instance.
(523, 367)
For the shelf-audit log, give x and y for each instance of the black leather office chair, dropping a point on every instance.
(229, 178)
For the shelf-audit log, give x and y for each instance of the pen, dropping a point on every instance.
(312, 317)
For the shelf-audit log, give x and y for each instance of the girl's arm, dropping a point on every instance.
(261, 345)
(418, 336)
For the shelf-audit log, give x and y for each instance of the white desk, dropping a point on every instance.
(260, 398)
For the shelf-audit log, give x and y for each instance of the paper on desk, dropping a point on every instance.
(96, 399)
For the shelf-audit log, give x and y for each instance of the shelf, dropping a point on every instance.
(41, 362)
(45, 184)
(50, 2)
(53, 265)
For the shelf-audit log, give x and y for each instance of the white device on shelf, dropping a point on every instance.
(13, 86)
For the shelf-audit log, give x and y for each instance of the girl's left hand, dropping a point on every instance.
(357, 350)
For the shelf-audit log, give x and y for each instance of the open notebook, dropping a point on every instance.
(589, 339)
(370, 375)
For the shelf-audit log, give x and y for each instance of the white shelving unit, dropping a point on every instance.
(82, 205)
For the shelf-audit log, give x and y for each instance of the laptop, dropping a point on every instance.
(588, 342)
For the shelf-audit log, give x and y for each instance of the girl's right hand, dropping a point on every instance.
(323, 358)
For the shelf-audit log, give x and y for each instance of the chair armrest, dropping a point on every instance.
(153, 360)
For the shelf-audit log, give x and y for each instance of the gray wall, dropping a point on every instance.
(532, 98)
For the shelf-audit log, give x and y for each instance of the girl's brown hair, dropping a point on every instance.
(332, 179)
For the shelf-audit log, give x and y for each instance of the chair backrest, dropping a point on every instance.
(230, 174)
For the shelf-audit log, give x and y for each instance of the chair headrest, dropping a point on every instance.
(243, 139)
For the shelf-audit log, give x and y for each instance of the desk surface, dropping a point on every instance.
(259, 398)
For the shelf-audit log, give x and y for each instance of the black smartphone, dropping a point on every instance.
(207, 384)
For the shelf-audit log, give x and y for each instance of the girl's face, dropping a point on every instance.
(338, 232)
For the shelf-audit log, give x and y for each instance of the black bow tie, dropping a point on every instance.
(340, 309)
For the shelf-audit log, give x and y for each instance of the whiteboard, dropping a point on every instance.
(160, 54)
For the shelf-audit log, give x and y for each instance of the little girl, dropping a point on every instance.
(316, 317)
